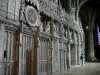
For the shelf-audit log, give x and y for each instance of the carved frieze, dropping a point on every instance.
(10, 27)
(30, 31)
(41, 38)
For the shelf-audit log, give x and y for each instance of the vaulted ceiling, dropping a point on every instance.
(90, 12)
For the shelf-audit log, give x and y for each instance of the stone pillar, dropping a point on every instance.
(69, 56)
(65, 55)
(69, 52)
(20, 54)
(1, 48)
(58, 55)
(53, 57)
(75, 40)
(91, 44)
(38, 49)
(36, 52)
(69, 2)
(76, 53)
(79, 48)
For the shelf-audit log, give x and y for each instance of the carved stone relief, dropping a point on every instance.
(3, 5)
(3, 8)
(17, 9)
(11, 27)
(11, 9)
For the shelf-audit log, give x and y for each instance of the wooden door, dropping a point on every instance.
(50, 61)
(28, 62)
(16, 53)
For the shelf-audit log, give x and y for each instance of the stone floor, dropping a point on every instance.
(88, 69)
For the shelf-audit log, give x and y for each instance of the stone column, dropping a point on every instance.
(65, 55)
(53, 57)
(69, 52)
(1, 48)
(69, 56)
(36, 52)
(76, 53)
(75, 40)
(20, 54)
(79, 47)
(78, 59)
(58, 55)
(91, 44)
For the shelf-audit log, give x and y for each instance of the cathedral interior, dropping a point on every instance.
(45, 37)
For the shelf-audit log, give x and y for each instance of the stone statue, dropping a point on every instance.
(41, 27)
(62, 29)
(65, 34)
(54, 29)
(47, 28)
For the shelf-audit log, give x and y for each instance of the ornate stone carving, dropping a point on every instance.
(42, 38)
(11, 9)
(31, 16)
(35, 2)
(28, 30)
(17, 9)
(3, 4)
(10, 27)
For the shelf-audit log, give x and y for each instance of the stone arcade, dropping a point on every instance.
(39, 37)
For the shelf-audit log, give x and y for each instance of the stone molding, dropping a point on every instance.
(9, 26)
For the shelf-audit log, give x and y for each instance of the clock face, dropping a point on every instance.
(31, 16)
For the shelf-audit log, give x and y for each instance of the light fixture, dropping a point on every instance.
(87, 27)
